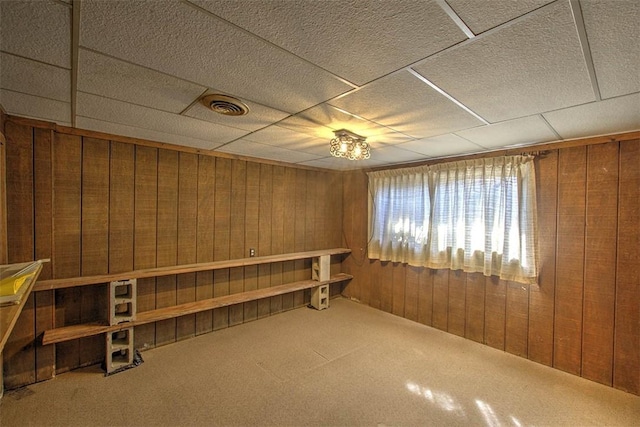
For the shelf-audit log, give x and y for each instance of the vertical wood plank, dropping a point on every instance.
(335, 210)
(386, 287)
(277, 233)
(264, 234)
(475, 294)
(398, 281)
(187, 228)
(542, 297)
(425, 297)
(167, 240)
(221, 238)
(357, 197)
(95, 242)
(299, 231)
(310, 238)
(348, 239)
(19, 356)
(570, 259)
(204, 238)
(600, 260)
(517, 319)
(67, 175)
(376, 284)
(626, 368)
(322, 231)
(411, 298)
(4, 249)
(440, 299)
(144, 250)
(457, 303)
(252, 214)
(19, 159)
(236, 244)
(359, 239)
(288, 267)
(121, 207)
(43, 205)
(495, 312)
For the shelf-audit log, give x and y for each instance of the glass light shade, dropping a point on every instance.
(349, 145)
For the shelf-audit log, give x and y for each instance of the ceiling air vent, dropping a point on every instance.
(226, 105)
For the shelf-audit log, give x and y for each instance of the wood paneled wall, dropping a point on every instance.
(3, 194)
(583, 318)
(99, 206)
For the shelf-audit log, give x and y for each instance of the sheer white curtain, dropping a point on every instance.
(402, 198)
(476, 216)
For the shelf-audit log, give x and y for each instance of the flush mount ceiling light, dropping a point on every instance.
(225, 105)
(349, 145)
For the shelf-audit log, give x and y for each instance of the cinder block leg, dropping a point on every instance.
(122, 301)
(320, 297)
(321, 268)
(120, 352)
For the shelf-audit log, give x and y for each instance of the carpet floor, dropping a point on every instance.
(347, 365)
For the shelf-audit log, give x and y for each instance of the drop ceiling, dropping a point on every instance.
(420, 79)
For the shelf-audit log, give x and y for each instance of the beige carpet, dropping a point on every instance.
(348, 365)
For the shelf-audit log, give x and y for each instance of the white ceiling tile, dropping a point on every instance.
(532, 66)
(306, 126)
(141, 133)
(263, 151)
(111, 78)
(392, 154)
(597, 118)
(34, 78)
(258, 117)
(178, 39)
(406, 104)
(278, 136)
(110, 110)
(613, 30)
(358, 40)
(442, 146)
(286, 138)
(21, 104)
(483, 15)
(39, 30)
(332, 119)
(528, 130)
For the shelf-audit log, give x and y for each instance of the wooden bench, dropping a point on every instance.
(320, 279)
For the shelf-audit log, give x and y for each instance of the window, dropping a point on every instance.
(476, 216)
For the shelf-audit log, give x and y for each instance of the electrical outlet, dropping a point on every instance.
(252, 252)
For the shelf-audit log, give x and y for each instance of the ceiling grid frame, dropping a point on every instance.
(401, 124)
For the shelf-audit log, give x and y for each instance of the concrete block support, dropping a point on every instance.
(122, 301)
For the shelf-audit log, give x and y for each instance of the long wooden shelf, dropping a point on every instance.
(67, 333)
(46, 285)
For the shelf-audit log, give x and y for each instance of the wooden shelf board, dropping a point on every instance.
(67, 333)
(46, 285)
